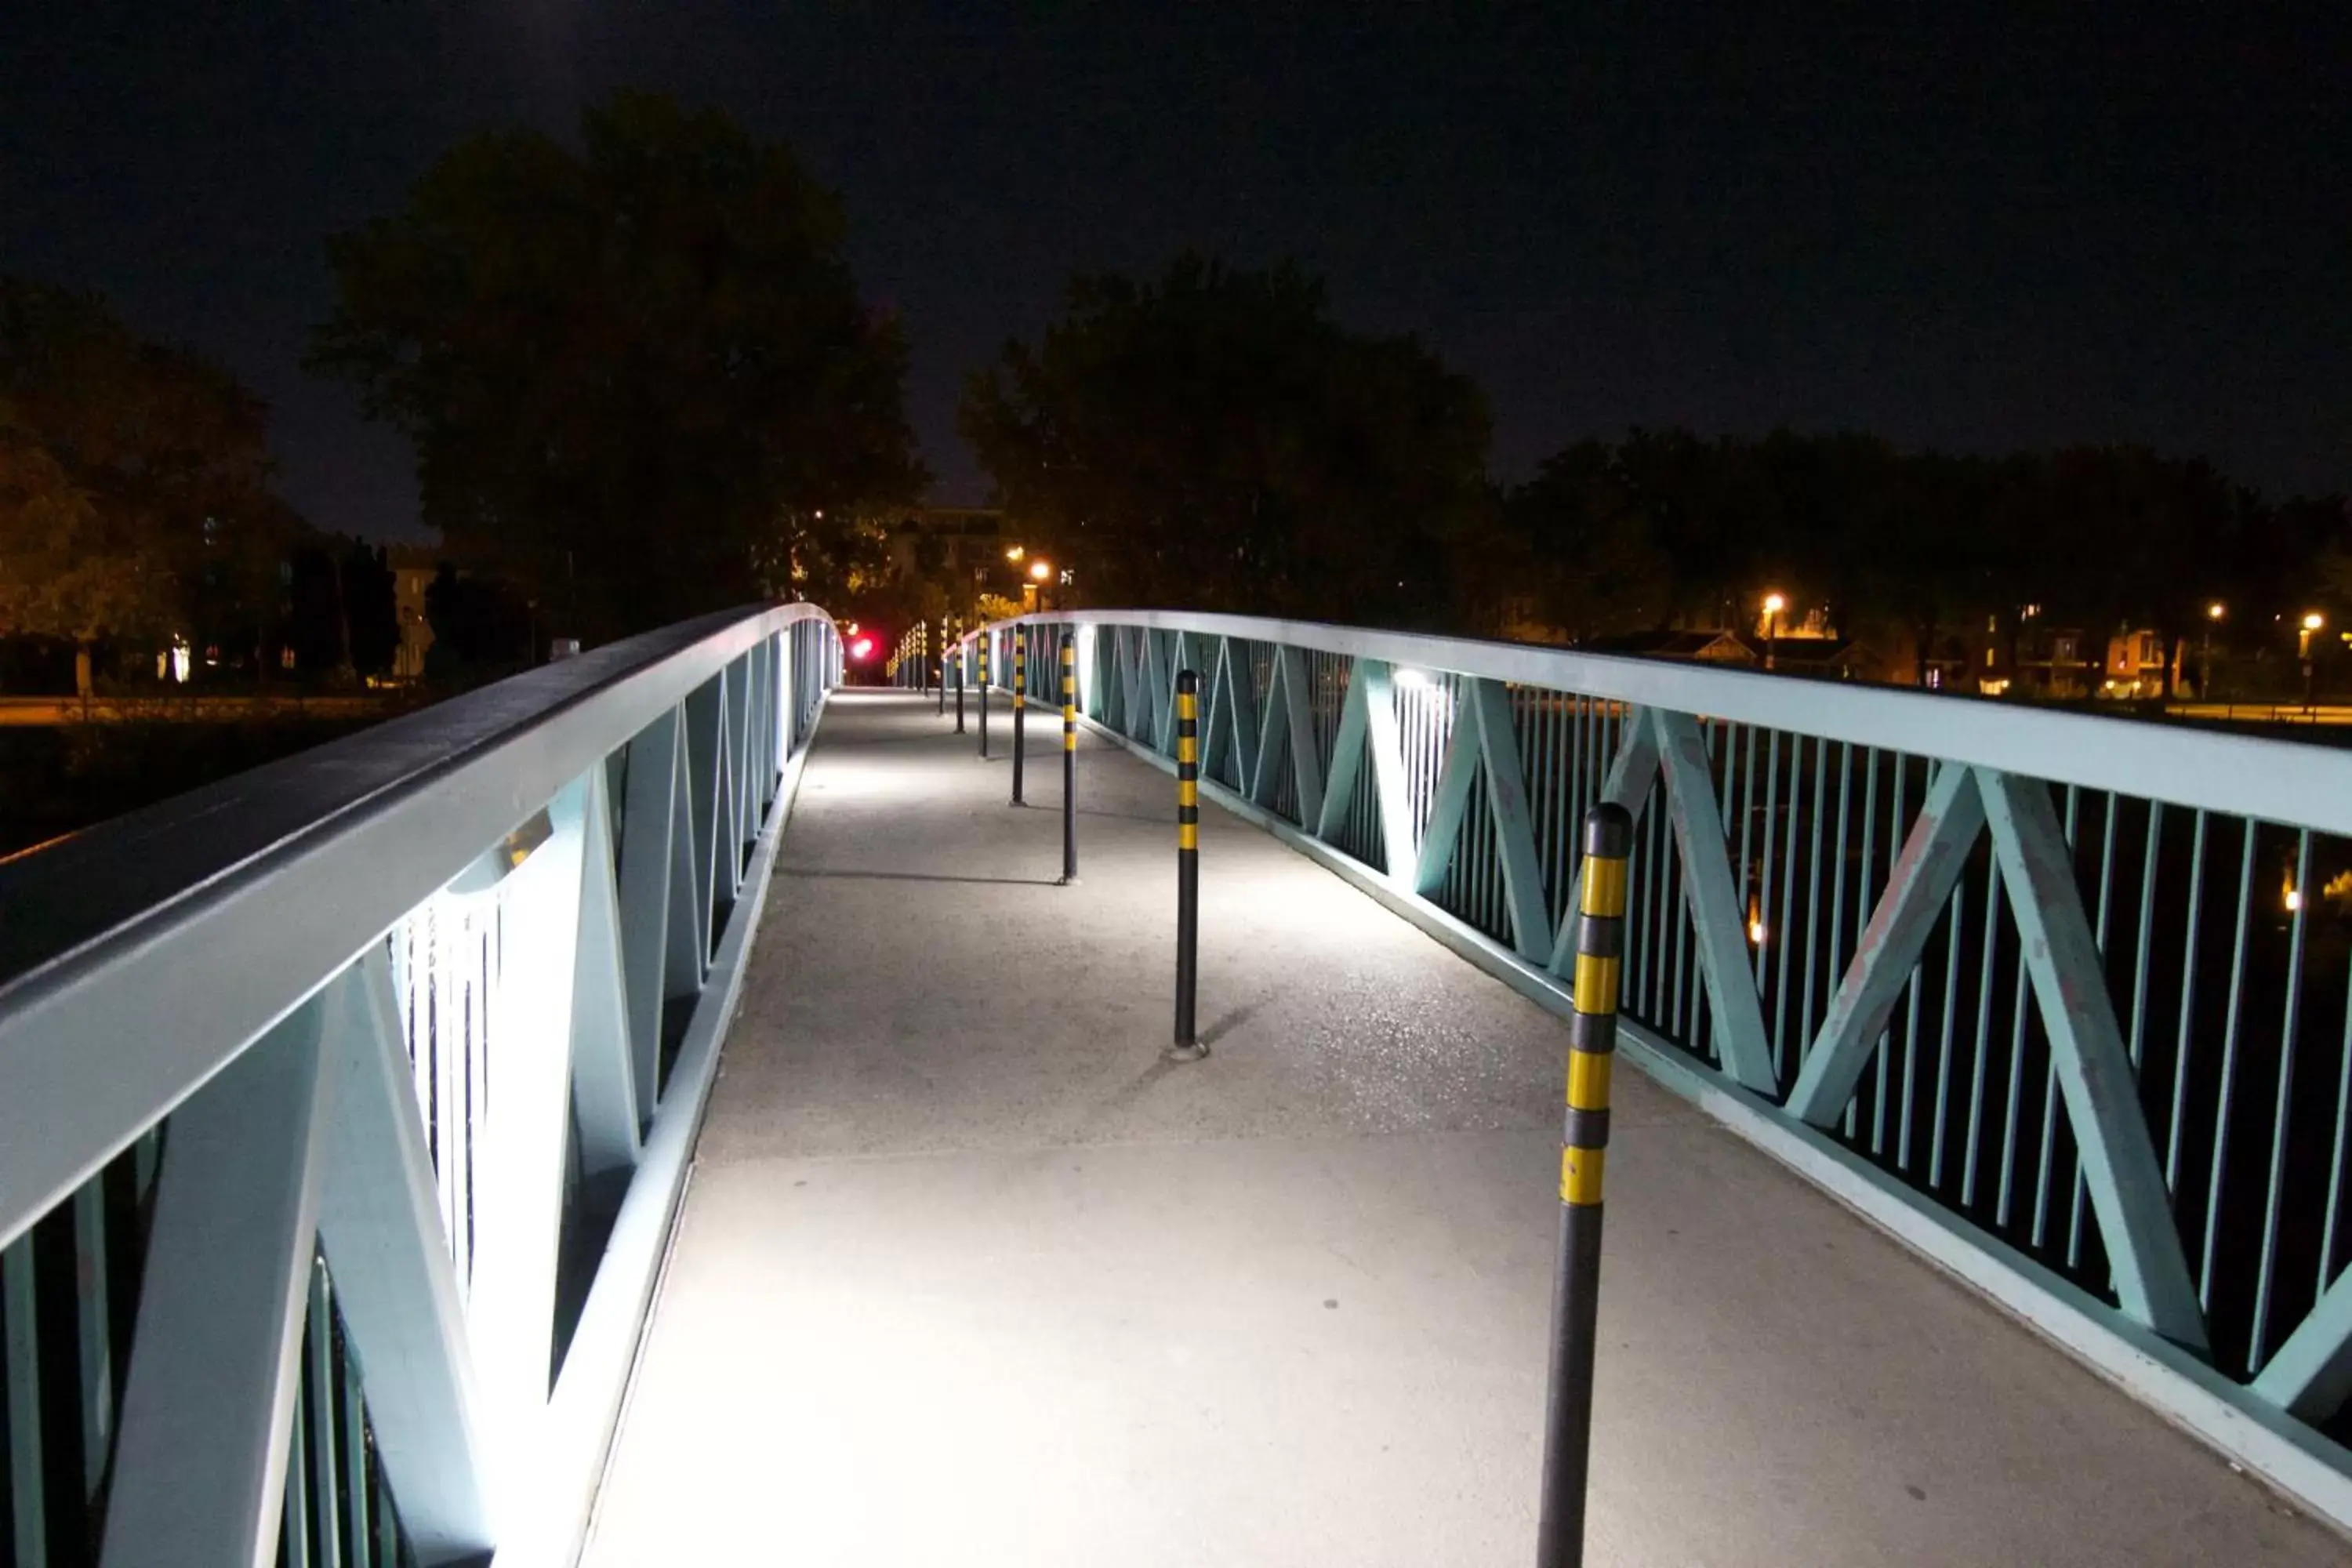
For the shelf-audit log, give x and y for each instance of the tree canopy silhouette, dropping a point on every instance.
(636, 375)
(135, 497)
(1215, 439)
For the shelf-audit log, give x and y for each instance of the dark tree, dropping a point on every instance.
(636, 375)
(315, 629)
(480, 626)
(371, 609)
(1213, 439)
(133, 484)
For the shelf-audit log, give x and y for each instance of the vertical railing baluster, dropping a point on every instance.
(1784, 919)
(357, 1489)
(1952, 919)
(2291, 1011)
(20, 1356)
(319, 1341)
(1773, 932)
(1806, 1020)
(2336, 1151)
(2229, 1081)
(2188, 1004)
(93, 1330)
(1984, 1031)
(1897, 825)
(2020, 1013)
(295, 1541)
(1722, 811)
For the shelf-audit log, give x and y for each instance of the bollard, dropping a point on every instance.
(1187, 1047)
(1584, 1144)
(945, 647)
(983, 695)
(1069, 760)
(958, 686)
(1020, 707)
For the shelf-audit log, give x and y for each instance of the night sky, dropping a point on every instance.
(1977, 233)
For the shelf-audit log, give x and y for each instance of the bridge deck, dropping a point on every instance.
(966, 1274)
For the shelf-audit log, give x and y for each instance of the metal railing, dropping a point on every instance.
(908, 666)
(2065, 1001)
(344, 1107)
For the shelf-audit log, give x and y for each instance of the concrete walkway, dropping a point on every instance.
(966, 1275)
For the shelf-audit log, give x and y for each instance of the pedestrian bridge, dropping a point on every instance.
(666, 1108)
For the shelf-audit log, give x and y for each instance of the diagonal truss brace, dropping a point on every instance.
(1367, 732)
(2119, 1163)
(1485, 746)
(1658, 742)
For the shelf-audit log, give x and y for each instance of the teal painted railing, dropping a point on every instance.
(2064, 1000)
(344, 1107)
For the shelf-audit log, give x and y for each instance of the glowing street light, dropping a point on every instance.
(1773, 605)
(1015, 554)
(2312, 621)
(1041, 570)
(2214, 612)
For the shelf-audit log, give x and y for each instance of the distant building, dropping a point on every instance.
(2136, 662)
(1839, 659)
(1713, 646)
(959, 540)
(413, 569)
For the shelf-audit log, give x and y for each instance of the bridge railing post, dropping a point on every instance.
(1187, 1047)
(1020, 707)
(1069, 759)
(1584, 1144)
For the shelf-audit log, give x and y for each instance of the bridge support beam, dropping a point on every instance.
(208, 1397)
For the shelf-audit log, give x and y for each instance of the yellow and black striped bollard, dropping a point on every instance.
(1069, 759)
(1583, 1156)
(1187, 1045)
(983, 695)
(1020, 705)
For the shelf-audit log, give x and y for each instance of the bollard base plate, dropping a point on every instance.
(1065, 882)
(1191, 1053)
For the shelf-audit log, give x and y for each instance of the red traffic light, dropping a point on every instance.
(861, 648)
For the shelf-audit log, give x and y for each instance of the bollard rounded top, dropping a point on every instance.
(1188, 681)
(1609, 832)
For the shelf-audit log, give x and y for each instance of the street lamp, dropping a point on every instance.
(2312, 621)
(1773, 605)
(2205, 682)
